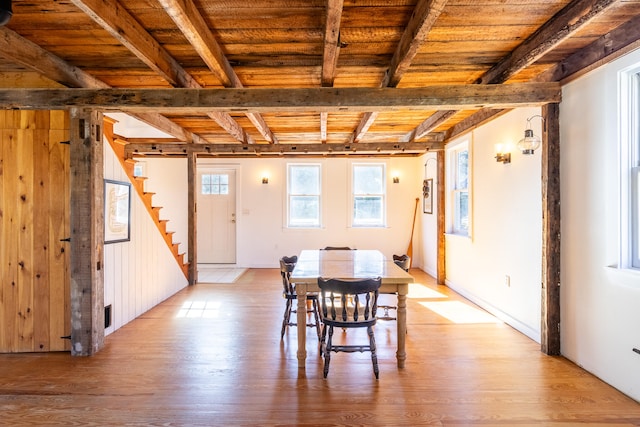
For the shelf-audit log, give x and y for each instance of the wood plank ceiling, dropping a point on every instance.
(287, 44)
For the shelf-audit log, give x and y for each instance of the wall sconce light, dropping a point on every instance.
(265, 179)
(396, 179)
(502, 154)
(530, 142)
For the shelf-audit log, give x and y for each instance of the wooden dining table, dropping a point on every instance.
(349, 264)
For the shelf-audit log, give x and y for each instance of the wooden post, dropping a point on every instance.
(440, 201)
(192, 217)
(87, 232)
(550, 329)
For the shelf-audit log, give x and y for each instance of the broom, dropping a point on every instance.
(410, 248)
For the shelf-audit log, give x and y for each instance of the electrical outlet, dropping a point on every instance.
(507, 280)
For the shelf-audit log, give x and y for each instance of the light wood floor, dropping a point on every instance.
(212, 355)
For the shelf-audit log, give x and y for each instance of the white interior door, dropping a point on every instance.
(216, 214)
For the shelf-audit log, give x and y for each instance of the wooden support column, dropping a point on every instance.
(550, 329)
(192, 217)
(87, 232)
(440, 201)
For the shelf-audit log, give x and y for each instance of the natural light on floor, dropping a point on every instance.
(459, 312)
(420, 291)
(199, 310)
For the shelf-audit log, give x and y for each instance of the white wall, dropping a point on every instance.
(600, 304)
(506, 216)
(429, 222)
(142, 272)
(262, 237)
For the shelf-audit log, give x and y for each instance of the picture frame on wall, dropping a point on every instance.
(117, 211)
(427, 196)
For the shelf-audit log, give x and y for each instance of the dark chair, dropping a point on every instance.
(404, 262)
(287, 265)
(348, 304)
(336, 248)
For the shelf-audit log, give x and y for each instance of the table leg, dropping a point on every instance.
(301, 290)
(401, 354)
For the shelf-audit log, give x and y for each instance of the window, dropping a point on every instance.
(459, 189)
(368, 195)
(631, 164)
(215, 183)
(303, 195)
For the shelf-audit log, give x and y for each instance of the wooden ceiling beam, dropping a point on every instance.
(451, 97)
(330, 54)
(559, 28)
(380, 148)
(621, 40)
(617, 42)
(415, 34)
(115, 19)
(331, 51)
(556, 30)
(22, 51)
(191, 23)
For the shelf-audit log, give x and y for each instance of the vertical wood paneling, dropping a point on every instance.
(41, 240)
(33, 215)
(58, 198)
(142, 272)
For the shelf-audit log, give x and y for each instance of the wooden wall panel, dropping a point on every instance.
(34, 200)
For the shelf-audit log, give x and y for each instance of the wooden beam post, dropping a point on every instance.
(550, 328)
(192, 255)
(87, 232)
(441, 228)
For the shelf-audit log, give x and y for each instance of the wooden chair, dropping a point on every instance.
(348, 304)
(404, 262)
(287, 265)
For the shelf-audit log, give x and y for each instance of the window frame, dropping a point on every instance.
(290, 195)
(630, 167)
(454, 191)
(383, 196)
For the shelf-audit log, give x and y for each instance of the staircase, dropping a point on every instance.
(138, 183)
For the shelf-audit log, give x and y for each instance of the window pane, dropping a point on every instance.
(304, 180)
(367, 210)
(462, 176)
(215, 179)
(462, 212)
(224, 179)
(304, 210)
(368, 180)
(224, 189)
(635, 216)
(206, 179)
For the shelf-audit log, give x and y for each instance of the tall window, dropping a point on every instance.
(459, 188)
(634, 165)
(369, 193)
(303, 195)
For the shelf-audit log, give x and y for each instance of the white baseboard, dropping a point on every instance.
(506, 318)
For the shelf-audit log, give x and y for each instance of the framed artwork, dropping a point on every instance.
(427, 196)
(117, 211)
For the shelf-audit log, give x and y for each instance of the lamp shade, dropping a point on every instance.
(529, 143)
(5, 12)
